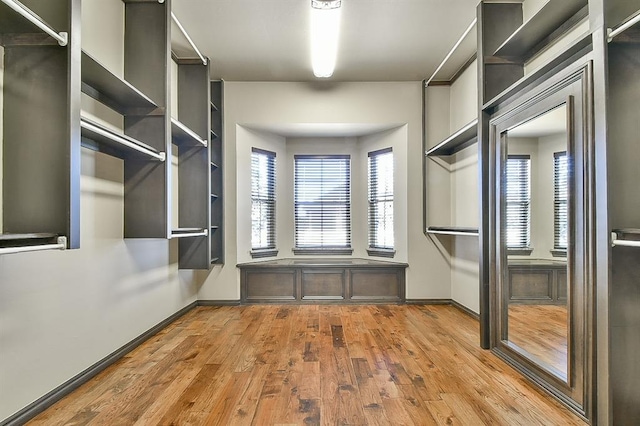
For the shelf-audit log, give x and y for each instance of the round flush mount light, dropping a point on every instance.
(326, 4)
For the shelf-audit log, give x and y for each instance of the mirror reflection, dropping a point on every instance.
(535, 239)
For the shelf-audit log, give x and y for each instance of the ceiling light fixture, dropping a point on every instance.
(325, 27)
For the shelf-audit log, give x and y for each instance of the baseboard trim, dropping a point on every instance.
(46, 401)
(218, 302)
(465, 310)
(450, 302)
(428, 301)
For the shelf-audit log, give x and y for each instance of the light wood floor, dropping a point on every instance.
(541, 330)
(311, 365)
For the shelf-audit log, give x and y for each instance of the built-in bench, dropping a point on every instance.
(322, 281)
(538, 282)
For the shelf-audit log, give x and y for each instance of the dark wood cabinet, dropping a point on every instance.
(314, 281)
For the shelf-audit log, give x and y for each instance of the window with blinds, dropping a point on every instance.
(518, 201)
(381, 199)
(560, 200)
(322, 202)
(263, 199)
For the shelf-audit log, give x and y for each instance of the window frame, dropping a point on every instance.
(321, 249)
(270, 249)
(524, 249)
(374, 200)
(558, 250)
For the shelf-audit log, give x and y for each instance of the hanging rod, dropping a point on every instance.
(60, 245)
(29, 15)
(616, 241)
(632, 20)
(184, 32)
(161, 156)
(453, 49)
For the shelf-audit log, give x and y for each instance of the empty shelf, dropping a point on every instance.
(116, 93)
(214, 107)
(541, 25)
(457, 141)
(121, 143)
(215, 260)
(182, 134)
(213, 166)
(452, 230)
(214, 135)
(189, 232)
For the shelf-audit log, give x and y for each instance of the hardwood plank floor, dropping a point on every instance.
(311, 365)
(542, 331)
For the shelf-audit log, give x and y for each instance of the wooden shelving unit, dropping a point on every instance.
(194, 166)
(622, 53)
(41, 173)
(455, 63)
(216, 236)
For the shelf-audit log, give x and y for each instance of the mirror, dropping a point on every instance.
(534, 239)
(540, 190)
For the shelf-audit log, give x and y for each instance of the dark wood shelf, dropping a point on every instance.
(181, 134)
(215, 260)
(457, 141)
(214, 107)
(111, 90)
(117, 143)
(214, 135)
(580, 47)
(541, 25)
(452, 230)
(213, 165)
(188, 233)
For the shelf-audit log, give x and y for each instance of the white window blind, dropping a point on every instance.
(381, 199)
(322, 199)
(560, 200)
(518, 201)
(263, 199)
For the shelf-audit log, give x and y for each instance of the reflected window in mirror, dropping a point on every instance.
(560, 203)
(518, 203)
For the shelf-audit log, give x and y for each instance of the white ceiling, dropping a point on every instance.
(268, 40)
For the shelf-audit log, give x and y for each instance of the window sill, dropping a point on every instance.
(256, 254)
(381, 252)
(520, 251)
(323, 251)
(558, 252)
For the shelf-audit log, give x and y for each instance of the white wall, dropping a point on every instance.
(259, 105)
(247, 139)
(61, 312)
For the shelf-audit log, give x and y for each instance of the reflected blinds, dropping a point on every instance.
(263, 199)
(381, 199)
(560, 200)
(322, 200)
(518, 201)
